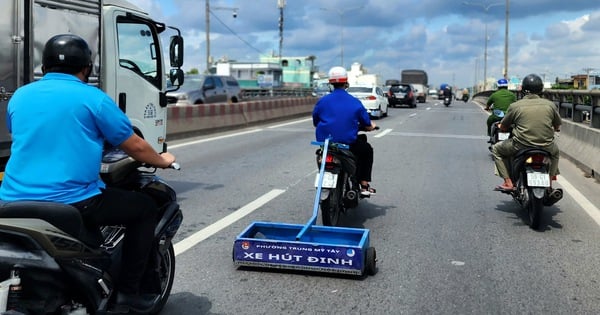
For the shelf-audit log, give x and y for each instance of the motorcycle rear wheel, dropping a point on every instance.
(331, 207)
(534, 209)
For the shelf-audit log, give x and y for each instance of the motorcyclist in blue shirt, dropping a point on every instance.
(340, 116)
(59, 126)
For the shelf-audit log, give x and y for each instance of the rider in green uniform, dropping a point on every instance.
(499, 100)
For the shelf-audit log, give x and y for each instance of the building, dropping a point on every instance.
(252, 75)
(297, 71)
(271, 72)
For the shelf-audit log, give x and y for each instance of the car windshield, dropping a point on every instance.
(359, 89)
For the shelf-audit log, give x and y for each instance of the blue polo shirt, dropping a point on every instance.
(339, 115)
(58, 126)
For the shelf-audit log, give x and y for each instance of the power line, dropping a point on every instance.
(235, 34)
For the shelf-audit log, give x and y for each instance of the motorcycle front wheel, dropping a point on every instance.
(166, 276)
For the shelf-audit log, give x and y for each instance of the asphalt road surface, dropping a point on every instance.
(446, 242)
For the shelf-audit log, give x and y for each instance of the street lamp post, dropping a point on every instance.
(486, 8)
(341, 13)
(207, 17)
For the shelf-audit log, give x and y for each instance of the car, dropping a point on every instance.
(321, 90)
(421, 92)
(433, 93)
(402, 94)
(203, 89)
(372, 98)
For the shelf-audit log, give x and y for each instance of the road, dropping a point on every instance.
(446, 242)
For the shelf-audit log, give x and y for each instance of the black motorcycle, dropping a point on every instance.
(340, 188)
(447, 100)
(57, 265)
(529, 171)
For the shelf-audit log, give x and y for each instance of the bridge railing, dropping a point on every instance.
(262, 93)
(579, 106)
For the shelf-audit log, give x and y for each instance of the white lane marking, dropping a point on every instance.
(580, 199)
(383, 133)
(210, 230)
(429, 108)
(213, 138)
(290, 123)
(412, 115)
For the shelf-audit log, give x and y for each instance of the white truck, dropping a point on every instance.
(129, 62)
(366, 80)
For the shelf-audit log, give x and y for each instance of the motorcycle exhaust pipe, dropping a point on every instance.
(351, 195)
(554, 197)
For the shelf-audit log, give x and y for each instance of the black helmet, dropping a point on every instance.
(66, 50)
(532, 84)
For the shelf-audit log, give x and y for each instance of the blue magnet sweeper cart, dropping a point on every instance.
(306, 247)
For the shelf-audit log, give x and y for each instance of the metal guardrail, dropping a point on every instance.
(580, 106)
(260, 93)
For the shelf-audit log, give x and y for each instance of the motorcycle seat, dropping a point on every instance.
(64, 217)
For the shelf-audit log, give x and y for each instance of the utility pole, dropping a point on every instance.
(207, 12)
(281, 6)
(485, 8)
(341, 13)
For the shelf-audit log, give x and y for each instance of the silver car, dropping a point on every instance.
(203, 89)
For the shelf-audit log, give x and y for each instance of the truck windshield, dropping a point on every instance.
(138, 50)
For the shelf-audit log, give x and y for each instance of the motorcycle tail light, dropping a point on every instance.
(537, 160)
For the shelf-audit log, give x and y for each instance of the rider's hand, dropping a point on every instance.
(168, 159)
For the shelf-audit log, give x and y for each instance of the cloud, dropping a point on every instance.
(446, 38)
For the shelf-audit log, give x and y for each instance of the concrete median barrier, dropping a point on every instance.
(198, 119)
(581, 144)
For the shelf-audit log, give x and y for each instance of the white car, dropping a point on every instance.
(372, 98)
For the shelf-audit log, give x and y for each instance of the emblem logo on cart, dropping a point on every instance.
(245, 245)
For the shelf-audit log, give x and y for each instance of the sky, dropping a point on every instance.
(446, 38)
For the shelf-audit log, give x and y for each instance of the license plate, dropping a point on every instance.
(503, 136)
(329, 180)
(537, 179)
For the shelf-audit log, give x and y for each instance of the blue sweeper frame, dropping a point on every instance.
(307, 247)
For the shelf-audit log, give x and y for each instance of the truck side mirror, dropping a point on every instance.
(176, 77)
(176, 51)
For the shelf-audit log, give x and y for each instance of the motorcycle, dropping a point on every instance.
(447, 100)
(54, 264)
(340, 189)
(465, 98)
(497, 135)
(529, 171)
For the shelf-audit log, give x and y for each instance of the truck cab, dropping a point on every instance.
(129, 62)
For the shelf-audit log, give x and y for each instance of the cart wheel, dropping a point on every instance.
(371, 261)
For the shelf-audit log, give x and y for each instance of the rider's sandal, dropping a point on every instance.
(367, 190)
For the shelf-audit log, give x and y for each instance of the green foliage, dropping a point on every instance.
(193, 71)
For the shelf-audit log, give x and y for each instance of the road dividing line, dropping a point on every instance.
(580, 199)
(290, 123)
(210, 230)
(213, 138)
(383, 133)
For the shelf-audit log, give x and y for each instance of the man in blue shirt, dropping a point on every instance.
(58, 126)
(340, 116)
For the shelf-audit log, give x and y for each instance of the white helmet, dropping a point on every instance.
(338, 75)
